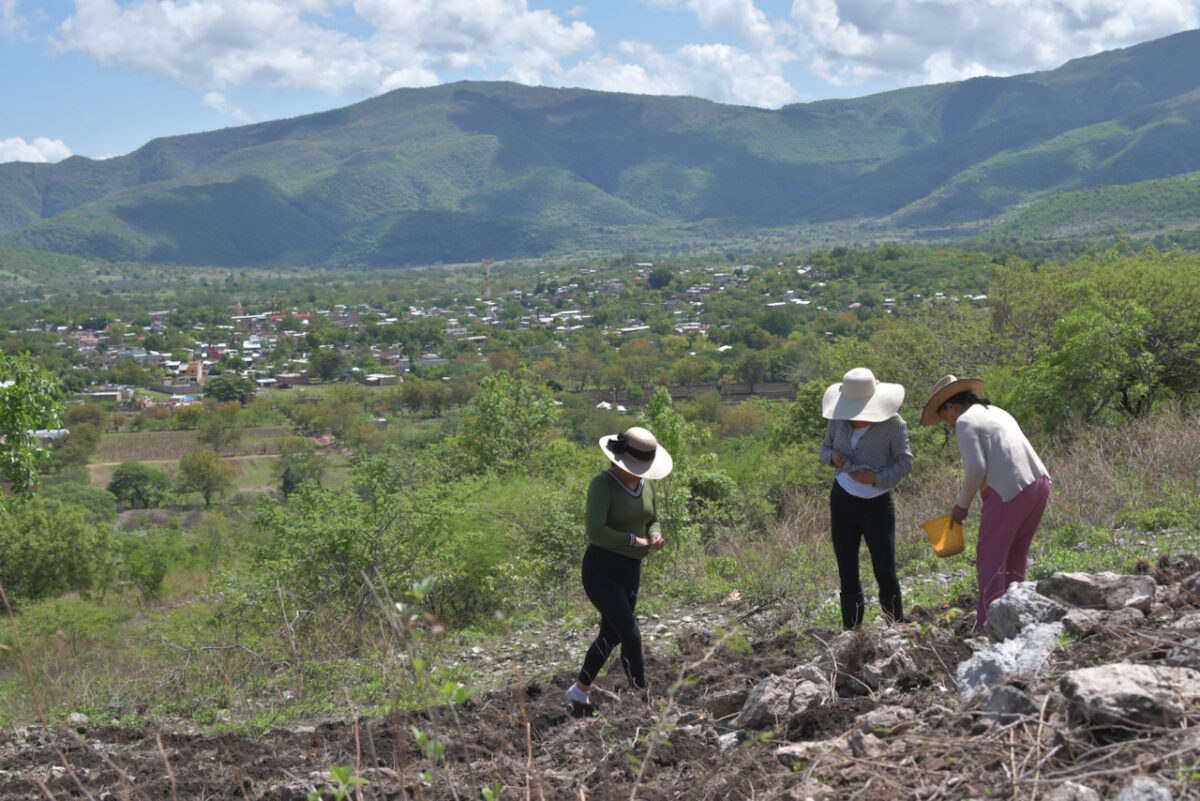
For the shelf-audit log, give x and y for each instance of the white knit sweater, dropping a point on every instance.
(995, 454)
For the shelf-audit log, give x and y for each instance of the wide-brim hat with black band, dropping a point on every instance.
(860, 396)
(946, 388)
(636, 451)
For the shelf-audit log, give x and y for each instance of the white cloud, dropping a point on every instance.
(354, 48)
(926, 41)
(739, 16)
(717, 71)
(219, 102)
(213, 44)
(502, 35)
(40, 150)
(10, 20)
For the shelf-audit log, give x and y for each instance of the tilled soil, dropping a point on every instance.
(681, 743)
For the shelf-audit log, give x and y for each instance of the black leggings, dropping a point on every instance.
(611, 583)
(874, 520)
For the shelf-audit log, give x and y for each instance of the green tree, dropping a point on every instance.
(336, 550)
(28, 402)
(130, 373)
(1096, 360)
(413, 394)
(802, 424)
(507, 422)
(220, 431)
(1167, 287)
(229, 387)
(326, 363)
(660, 277)
(438, 397)
(98, 506)
(145, 561)
(86, 413)
(298, 464)
(136, 484)
(752, 367)
(204, 471)
(50, 548)
(188, 415)
(79, 445)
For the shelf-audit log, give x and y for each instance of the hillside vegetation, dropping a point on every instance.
(384, 581)
(468, 171)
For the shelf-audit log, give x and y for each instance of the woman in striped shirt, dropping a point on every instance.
(867, 442)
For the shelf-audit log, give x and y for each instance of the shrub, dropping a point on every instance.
(50, 548)
(139, 485)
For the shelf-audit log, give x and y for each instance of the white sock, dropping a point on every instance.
(577, 695)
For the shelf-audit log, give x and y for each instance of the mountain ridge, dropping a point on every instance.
(471, 169)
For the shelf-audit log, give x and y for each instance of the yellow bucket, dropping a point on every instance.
(945, 535)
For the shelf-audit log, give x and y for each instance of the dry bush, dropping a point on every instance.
(1103, 472)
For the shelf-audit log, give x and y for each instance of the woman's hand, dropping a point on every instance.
(838, 459)
(656, 541)
(864, 476)
(958, 514)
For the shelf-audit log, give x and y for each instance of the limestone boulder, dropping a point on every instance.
(1019, 607)
(1124, 695)
(1100, 590)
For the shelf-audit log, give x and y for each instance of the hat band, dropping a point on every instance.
(621, 445)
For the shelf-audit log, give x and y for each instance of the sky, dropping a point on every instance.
(100, 78)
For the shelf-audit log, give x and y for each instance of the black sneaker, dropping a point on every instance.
(579, 710)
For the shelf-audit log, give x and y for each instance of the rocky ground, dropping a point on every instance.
(1086, 688)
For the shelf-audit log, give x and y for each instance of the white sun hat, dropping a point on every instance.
(636, 451)
(860, 396)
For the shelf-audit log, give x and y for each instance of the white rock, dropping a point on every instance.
(1124, 694)
(1143, 789)
(1100, 590)
(1024, 653)
(1070, 791)
(1020, 606)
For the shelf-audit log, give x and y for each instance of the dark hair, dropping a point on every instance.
(965, 399)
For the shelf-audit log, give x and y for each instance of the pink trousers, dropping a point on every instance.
(1005, 534)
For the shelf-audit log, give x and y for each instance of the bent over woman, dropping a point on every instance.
(1002, 467)
(867, 441)
(622, 528)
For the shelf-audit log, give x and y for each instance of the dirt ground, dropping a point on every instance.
(683, 743)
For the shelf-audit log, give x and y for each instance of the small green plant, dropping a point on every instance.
(341, 782)
(492, 793)
(1159, 518)
(433, 749)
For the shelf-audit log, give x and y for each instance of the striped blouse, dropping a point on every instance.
(883, 448)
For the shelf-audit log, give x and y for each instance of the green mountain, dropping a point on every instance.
(472, 170)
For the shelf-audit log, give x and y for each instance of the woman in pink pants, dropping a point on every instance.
(1000, 465)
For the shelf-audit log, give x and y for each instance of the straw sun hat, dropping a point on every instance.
(860, 396)
(636, 451)
(945, 389)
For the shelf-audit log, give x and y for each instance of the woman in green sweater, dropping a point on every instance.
(622, 528)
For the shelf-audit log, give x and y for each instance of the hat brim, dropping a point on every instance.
(658, 467)
(929, 416)
(882, 404)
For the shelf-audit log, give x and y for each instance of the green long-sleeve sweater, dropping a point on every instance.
(613, 514)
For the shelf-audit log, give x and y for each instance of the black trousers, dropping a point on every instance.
(611, 582)
(853, 520)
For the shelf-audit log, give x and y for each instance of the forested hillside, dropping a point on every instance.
(469, 171)
(288, 590)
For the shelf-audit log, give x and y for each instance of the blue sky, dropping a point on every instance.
(100, 78)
